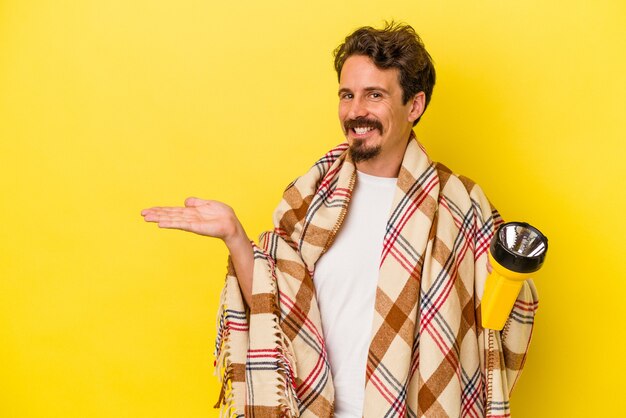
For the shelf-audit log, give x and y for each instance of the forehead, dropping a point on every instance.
(359, 72)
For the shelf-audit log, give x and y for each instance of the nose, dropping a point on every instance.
(358, 108)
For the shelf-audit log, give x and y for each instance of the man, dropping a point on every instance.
(365, 299)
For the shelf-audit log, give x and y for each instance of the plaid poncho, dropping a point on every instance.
(429, 355)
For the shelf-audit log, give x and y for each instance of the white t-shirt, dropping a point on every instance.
(345, 280)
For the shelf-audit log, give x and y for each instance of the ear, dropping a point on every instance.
(418, 103)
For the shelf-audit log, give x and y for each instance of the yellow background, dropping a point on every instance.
(110, 106)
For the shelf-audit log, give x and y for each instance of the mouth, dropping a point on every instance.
(362, 128)
(360, 131)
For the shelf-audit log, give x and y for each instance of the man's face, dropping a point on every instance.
(374, 120)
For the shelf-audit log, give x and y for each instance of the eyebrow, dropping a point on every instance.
(368, 89)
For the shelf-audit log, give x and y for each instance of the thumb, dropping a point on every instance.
(194, 202)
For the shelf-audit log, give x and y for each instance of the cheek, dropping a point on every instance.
(342, 110)
(396, 116)
(385, 111)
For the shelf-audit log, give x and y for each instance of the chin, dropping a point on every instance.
(359, 152)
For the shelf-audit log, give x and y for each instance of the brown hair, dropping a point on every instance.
(394, 46)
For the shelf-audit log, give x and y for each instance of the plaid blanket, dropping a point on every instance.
(429, 355)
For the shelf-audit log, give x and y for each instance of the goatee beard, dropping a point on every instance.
(359, 152)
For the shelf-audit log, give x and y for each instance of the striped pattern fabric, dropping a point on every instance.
(428, 356)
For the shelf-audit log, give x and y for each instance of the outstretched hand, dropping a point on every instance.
(212, 219)
(204, 217)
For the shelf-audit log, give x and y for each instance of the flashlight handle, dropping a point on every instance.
(498, 300)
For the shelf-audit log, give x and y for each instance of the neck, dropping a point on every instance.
(381, 167)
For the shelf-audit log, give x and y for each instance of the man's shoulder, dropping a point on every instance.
(319, 169)
(446, 175)
(460, 189)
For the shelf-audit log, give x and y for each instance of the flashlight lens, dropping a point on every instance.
(522, 240)
(519, 247)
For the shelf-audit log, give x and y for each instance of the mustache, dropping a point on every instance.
(363, 122)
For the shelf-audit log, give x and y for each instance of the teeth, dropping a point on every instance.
(361, 131)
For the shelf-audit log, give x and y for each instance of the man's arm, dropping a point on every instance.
(212, 219)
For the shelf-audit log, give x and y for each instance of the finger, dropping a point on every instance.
(161, 217)
(175, 219)
(183, 225)
(164, 211)
(156, 209)
(192, 202)
(151, 217)
(167, 208)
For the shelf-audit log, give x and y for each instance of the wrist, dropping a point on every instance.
(237, 239)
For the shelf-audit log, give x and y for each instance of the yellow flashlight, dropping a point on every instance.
(517, 250)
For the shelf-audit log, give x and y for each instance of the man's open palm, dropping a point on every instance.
(204, 217)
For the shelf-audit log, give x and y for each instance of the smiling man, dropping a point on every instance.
(365, 298)
(376, 119)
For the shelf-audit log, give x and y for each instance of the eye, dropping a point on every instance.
(375, 95)
(346, 96)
